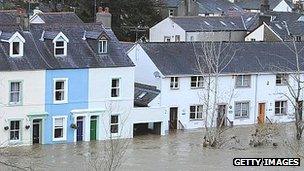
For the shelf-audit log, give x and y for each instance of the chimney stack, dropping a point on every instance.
(264, 6)
(104, 16)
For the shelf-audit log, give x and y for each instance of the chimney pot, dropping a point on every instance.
(104, 16)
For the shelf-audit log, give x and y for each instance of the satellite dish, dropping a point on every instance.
(156, 74)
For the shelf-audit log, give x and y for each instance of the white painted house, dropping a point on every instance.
(247, 89)
(273, 5)
(201, 28)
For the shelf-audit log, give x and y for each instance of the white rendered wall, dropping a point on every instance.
(100, 98)
(33, 93)
(166, 28)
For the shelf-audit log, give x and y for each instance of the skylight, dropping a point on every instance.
(142, 95)
(207, 23)
(223, 23)
(220, 9)
(248, 19)
(278, 26)
(232, 23)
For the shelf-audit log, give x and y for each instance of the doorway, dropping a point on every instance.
(221, 115)
(37, 131)
(80, 128)
(261, 117)
(93, 128)
(173, 118)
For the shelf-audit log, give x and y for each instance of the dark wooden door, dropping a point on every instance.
(36, 132)
(79, 129)
(221, 115)
(261, 117)
(173, 118)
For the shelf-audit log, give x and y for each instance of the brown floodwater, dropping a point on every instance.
(180, 150)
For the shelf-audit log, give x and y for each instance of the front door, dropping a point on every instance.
(36, 131)
(93, 127)
(173, 118)
(261, 117)
(79, 128)
(301, 110)
(221, 115)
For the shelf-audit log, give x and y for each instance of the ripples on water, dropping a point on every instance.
(181, 150)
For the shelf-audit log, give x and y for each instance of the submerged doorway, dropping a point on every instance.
(261, 117)
(173, 118)
(80, 128)
(37, 126)
(93, 128)
(221, 115)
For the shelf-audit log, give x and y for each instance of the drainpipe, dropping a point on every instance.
(255, 98)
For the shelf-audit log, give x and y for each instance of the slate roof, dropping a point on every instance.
(214, 23)
(60, 18)
(216, 6)
(255, 4)
(127, 45)
(172, 3)
(38, 54)
(250, 57)
(286, 24)
(144, 94)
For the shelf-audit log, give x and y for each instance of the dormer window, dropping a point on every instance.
(103, 46)
(59, 48)
(16, 42)
(60, 45)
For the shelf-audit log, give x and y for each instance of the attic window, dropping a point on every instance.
(16, 48)
(103, 46)
(60, 45)
(16, 45)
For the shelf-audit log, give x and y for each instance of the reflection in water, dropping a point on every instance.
(181, 150)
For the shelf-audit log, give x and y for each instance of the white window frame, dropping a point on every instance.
(242, 81)
(242, 116)
(20, 131)
(16, 38)
(20, 92)
(61, 38)
(283, 78)
(199, 82)
(66, 90)
(103, 46)
(174, 82)
(117, 88)
(64, 137)
(167, 39)
(171, 12)
(111, 124)
(281, 107)
(196, 112)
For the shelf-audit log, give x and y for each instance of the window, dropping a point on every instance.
(167, 39)
(16, 48)
(60, 48)
(174, 83)
(103, 46)
(114, 124)
(197, 82)
(191, 38)
(196, 112)
(15, 92)
(298, 38)
(171, 12)
(15, 130)
(281, 79)
(115, 88)
(177, 38)
(242, 110)
(60, 91)
(242, 81)
(280, 107)
(252, 39)
(59, 128)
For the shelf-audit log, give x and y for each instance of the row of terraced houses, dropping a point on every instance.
(63, 81)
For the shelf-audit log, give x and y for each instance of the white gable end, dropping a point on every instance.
(36, 20)
(282, 7)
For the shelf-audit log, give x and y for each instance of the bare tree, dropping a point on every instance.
(291, 70)
(212, 59)
(109, 154)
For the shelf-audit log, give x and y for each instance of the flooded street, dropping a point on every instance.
(181, 150)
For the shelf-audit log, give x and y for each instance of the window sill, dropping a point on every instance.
(15, 104)
(174, 88)
(15, 142)
(281, 85)
(241, 118)
(60, 102)
(240, 87)
(196, 88)
(280, 114)
(196, 120)
(59, 139)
